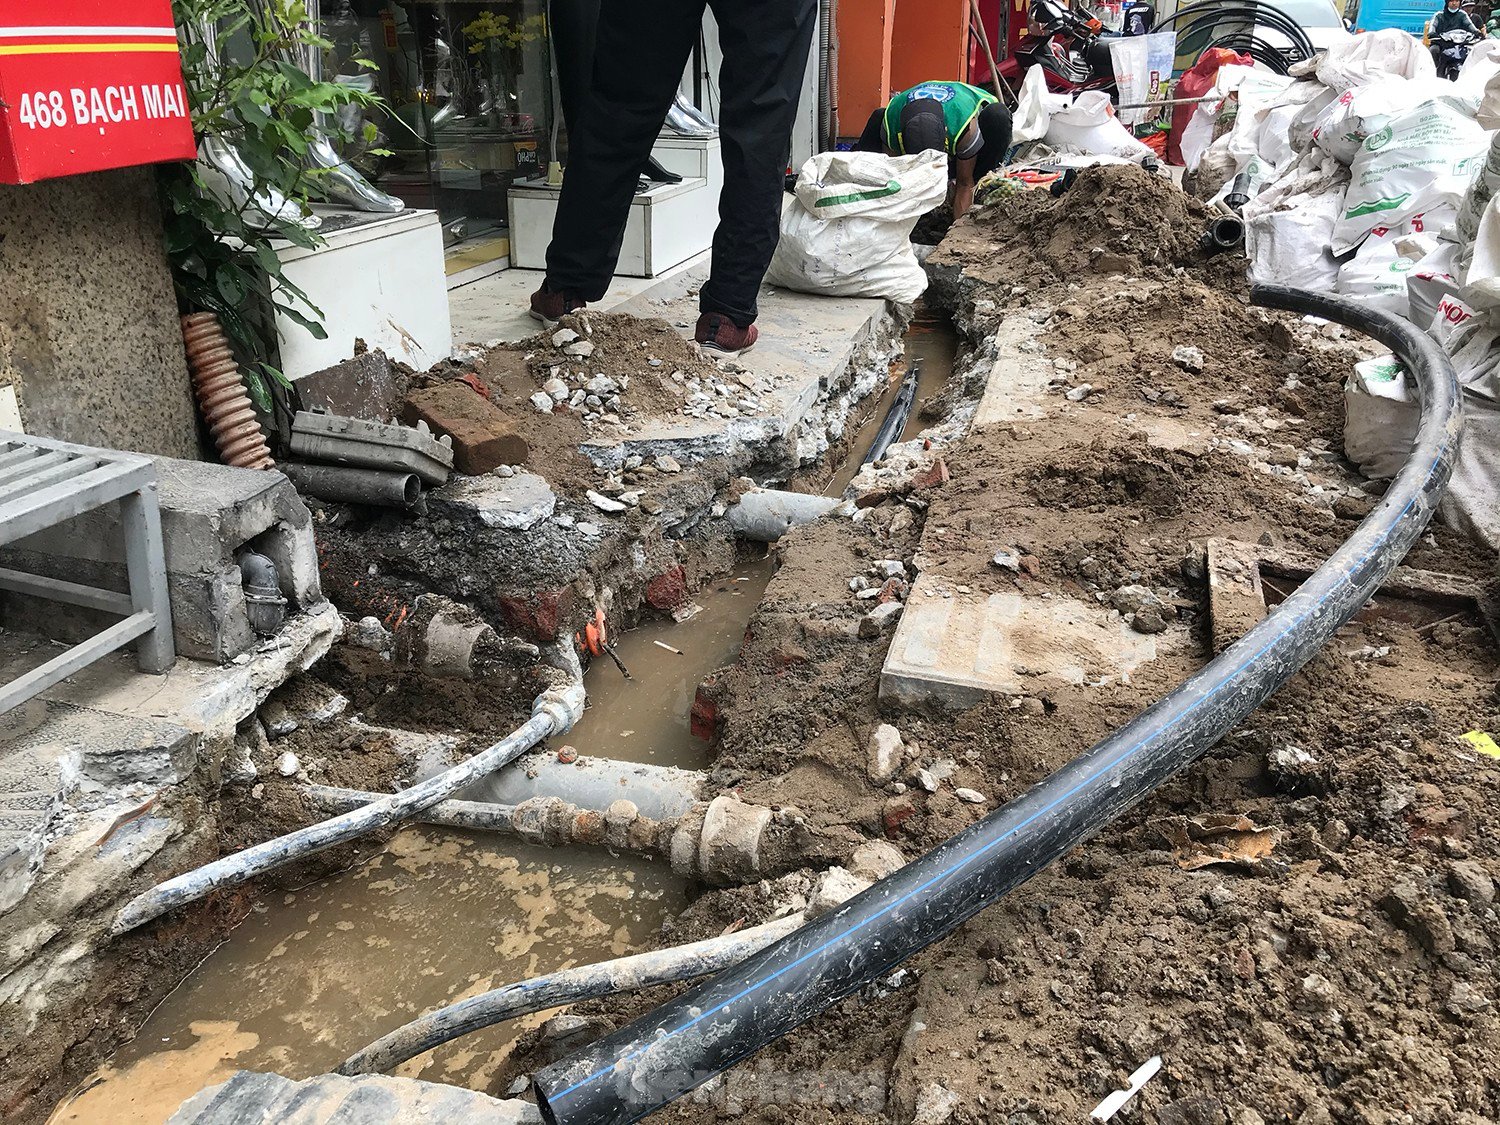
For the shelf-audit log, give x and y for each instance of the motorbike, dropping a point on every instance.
(1453, 48)
(1069, 45)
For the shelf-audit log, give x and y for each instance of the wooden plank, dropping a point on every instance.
(56, 590)
(29, 514)
(75, 660)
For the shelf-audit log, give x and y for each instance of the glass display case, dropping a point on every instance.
(470, 90)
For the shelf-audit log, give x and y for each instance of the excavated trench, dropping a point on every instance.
(439, 914)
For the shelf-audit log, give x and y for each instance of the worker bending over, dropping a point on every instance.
(967, 123)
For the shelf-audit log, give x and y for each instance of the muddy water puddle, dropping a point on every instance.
(313, 975)
(932, 342)
(646, 718)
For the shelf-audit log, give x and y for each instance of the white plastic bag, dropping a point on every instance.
(1089, 125)
(1035, 105)
(849, 232)
(1418, 161)
(1435, 277)
(1143, 72)
(1377, 276)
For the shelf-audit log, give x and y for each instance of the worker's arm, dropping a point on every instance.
(963, 191)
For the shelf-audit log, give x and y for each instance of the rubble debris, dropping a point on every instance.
(1203, 841)
(482, 435)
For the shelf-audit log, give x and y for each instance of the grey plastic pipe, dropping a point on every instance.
(554, 712)
(567, 986)
(352, 485)
(714, 1025)
(764, 515)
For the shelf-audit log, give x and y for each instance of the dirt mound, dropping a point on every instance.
(1114, 219)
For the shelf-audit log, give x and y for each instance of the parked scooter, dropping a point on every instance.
(1453, 49)
(1069, 45)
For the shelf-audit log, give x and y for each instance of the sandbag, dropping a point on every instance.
(1289, 225)
(1089, 125)
(1434, 278)
(848, 234)
(1194, 84)
(1365, 58)
(1418, 161)
(1380, 417)
(1377, 277)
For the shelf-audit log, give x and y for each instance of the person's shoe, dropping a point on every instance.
(550, 307)
(718, 335)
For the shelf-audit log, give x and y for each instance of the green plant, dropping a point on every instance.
(246, 90)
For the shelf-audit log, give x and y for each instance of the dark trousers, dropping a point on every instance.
(994, 126)
(642, 51)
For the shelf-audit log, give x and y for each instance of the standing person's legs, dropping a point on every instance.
(873, 138)
(995, 128)
(640, 54)
(766, 46)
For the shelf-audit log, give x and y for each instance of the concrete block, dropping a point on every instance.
(209, 513)
(515, 503)
(483, 437)
(366, 386)
(958, 650)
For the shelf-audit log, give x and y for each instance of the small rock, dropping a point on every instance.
(875, 860)
(667, 464)
(581, 350)
(1472, 883)
(563, 337)
(889, 568)
(1317, 990)
(543, 402)
(368, 633)
(557, 389)
(1188, 358)
(1080, 392)
(885, 751)
(859, 582)
(589, 528)
(632, 498)
(874, 623)
(604, 504)
(1006, 559)
(925, 779)
(936, 1104)
(602, 385)
(970, 796)
(288, 764)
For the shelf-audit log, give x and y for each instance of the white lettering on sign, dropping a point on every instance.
(101, 106)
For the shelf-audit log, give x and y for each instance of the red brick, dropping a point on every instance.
(893, 590)
(537, 617)
(668, 590)
(895, 814)
(483, 437)
(934, 476)
(703, 719)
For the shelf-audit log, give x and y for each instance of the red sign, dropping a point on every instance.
(87, 85)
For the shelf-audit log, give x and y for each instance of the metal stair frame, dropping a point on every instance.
(44, 483)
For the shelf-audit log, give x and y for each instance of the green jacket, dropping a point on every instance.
(961, 104)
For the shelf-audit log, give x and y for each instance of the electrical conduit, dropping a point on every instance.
(554, 712)
(709, 1028)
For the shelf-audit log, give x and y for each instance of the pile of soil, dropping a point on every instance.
(1114, 219)
(1350, 976)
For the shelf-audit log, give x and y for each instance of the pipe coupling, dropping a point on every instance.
(563, 705)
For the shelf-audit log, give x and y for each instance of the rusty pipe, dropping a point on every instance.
(219, 387)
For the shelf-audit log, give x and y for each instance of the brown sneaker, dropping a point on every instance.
(718, 335)
(550, 307)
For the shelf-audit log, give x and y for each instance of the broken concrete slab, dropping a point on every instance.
(958, 649)
(366, 1100)
(516, 503)
(817, 357)
(1018, 378)
(365, 386)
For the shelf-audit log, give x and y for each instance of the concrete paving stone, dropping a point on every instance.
(250, 1098)
(515, 503)
(960, 649)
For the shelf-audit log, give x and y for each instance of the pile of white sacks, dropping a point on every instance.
(1371, 177)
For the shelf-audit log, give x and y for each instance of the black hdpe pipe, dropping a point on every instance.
(895, 417)
(1224, 232)
(711, 1027)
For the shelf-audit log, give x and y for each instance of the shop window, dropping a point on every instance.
(469, 87)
